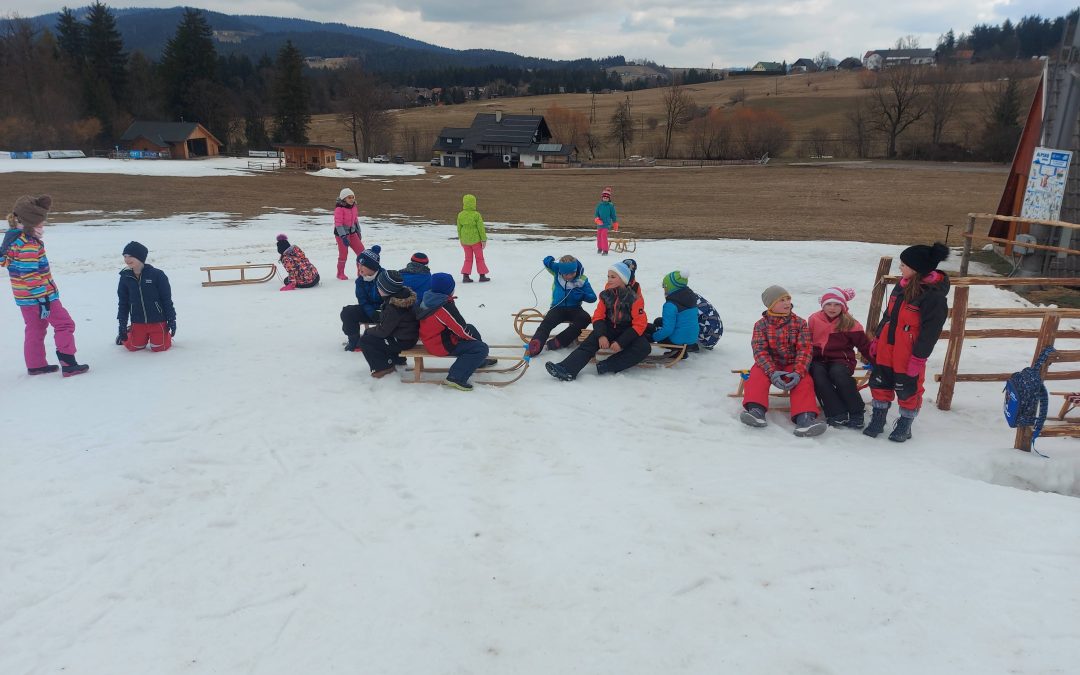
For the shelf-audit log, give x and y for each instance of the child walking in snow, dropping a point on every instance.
(23, 254)
(782, 351)
(398, 328)
(444, 333)
(569, 289)
(618, 324)
(678, 323)
(836, 335)
(417, 275)
(605, 219)
(918, 307)
(346, 229)
(299, 271)
(144, 296)
(367, 297)
(473, 238)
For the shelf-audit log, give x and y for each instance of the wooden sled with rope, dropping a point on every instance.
(270, 270)
(531, 317)
(624, 244)
(513, 362)
(861, 377)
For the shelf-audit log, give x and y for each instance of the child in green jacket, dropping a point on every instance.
(473, 238)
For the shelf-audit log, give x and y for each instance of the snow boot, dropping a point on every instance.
(856, 420)
(484, 277)
(558, 371)
(489, 363)
(753, 416)
(383, 373)
(902, 429)
(466, 279)
(553, 344)
(399, 360)
(460, 386)
(877, 419)
(44, 370)
(341, 275)
(71, 367)
(837, 421)
(353, 345)
(807, 424)
(535, 347)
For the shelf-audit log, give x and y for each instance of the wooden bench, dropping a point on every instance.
(270, 270)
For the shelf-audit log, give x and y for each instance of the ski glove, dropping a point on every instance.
(777, 379)
(44, 308)
(915, 366)
(791, 380)
(121, 336)
(172, 328)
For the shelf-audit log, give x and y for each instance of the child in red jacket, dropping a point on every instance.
(444, 333)
(782, 350)
(836, 335)
(346, 229)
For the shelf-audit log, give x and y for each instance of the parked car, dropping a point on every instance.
(381, 159)
(436, 161)
(398, 159)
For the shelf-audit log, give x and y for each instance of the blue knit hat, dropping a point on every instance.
(441, 282)
(622, 270)
(369, 258)
(674, 282)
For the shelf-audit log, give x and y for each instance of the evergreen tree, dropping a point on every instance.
(292, 100)
(71, 36)
(104, 49)
(187, 63)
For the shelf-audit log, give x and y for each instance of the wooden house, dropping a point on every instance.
(178, 140)
(307, 156)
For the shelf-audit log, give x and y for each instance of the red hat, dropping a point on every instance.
(840, 295)
(606, 192)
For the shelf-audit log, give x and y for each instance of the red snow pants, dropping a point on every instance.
(343, 246)
(803, 399)
(889, 379)
(154, 334)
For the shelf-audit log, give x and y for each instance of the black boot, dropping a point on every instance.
(466, 279)
(838, 421)
(902, 429)
(71, 366)
(856, 420)
(353, 345)
(877, 420)
(43, 370)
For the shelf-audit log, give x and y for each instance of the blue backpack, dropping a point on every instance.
(1026, 398)
(710, 327)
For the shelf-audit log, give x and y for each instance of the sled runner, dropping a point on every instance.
(671, 356)
(269, 268)
(624, 245)
(513, 355)
(861, 376)
(1071, 402)
(524, 319)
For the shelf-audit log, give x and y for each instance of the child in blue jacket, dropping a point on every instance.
(144, 296)
(366, 311)
(569, 289)
(605, 219)
(678, 325)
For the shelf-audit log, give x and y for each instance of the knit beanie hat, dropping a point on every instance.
(773, 293)
(282, 244)
(674, 281)
(345, 192)
(924, 259)
(631, 265)
(419, 258)
(32, 210)
(622, 270)
(369, 258)
(835, 294)
(606, 192)
(390, 282)
(441, 282)
(137, 251)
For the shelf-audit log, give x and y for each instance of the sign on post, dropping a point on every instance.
(1046, 184)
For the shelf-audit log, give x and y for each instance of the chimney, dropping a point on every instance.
(498, 116)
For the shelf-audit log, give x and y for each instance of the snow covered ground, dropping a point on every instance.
(253, 502)
(211, 167)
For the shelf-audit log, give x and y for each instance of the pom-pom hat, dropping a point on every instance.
(839, 295)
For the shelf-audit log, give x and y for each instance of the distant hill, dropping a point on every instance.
(148, 29)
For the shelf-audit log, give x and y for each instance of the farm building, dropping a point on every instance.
(308, 155)
(850, 63)
(178, 140)
(888, 58)
(494, 141)
(804, 66)
(770, 67)
(548, 156)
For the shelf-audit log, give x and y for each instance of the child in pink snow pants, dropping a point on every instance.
(605, 219)
(473, 238)
(346, 229)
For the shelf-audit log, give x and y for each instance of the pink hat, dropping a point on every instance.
(840, 295)
(606, 192)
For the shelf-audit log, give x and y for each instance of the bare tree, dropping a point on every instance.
(818, 142)
(907, 42)
(822, 60)
(897, 101)
(593, 142)
(622, 126)
(942, 98)
(858, 129)
(364, 109)
(679, 108)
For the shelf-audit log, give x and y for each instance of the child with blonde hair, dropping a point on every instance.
(836, 335)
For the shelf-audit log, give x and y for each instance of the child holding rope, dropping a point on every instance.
(569, 289)
(836, 335)
(605, 219)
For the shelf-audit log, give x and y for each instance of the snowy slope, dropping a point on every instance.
(253, 502)
(210, 167)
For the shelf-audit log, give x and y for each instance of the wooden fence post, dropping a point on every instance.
(966, 257)
(956, 345)
(1047, 335)
(877, 295)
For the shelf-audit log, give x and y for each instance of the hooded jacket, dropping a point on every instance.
(298, 268)
(470, 226)
(572, 292)
(605, 211)
(620, 316)
(346, 220)
(441, 325)
(679, 319)
(367, 295)
(146, 298)
(418, 278)
(28, 267)
(921, 321)
(398, 319)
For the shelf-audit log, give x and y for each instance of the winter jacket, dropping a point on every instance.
(28, 267)
(418, 278)
(620, 316)
(146, 298)
(470, 226)
(680, 319)
(297, 266)
(834, 346)
(367, 294)
(346, 220)
(920, 322)
(398, 320)
(605, 211)
(781, 342)
(569, 293)
(441, 325)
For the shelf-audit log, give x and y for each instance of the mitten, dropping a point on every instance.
(598, 222)
(172, 328)
(791, 381)
(777, 379)
(549, 261)
(121, 336)
(615, 226)
(288, 287)
(915, 366)
(43, 308)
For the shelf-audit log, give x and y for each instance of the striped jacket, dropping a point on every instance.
(28, 268)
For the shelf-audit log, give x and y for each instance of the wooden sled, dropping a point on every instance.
(1071, 402)
(672, 355)
(525, 319)
(243, 277)
(624, 245)
(862, 381)
(505, 375)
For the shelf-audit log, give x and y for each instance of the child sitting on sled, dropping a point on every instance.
(299, 272)
(144, 296)
(444, 333)
(678, 323)
(367, 297)
(569, 289)
(417, 275)
(398, 328)
(782, 350)
(836, 335)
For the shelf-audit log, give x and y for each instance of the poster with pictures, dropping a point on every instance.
(1046, 184)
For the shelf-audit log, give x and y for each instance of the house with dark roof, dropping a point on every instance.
(771, 67)
(850, 63)
(178, 140)
(493, 141)
(804, 66)
(548, 156)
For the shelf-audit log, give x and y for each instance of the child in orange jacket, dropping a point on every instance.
(619, 323)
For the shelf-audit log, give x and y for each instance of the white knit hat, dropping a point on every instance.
(345, 192)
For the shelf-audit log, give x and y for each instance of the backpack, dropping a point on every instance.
(710, 327)
(1026, 398)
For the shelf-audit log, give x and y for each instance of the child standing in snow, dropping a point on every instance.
(569, 289)
(367, 297)
(23, 254)
(678, 324)
(346, 229)
(417, 275)
(836, 335)
(299, 272)
(618, 324)
(473, 238)
(918, 307)
(398, 328)
(444, 333)
(782, 351)
(605, 219)
(144, 296)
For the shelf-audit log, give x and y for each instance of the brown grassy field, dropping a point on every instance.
(877, 202)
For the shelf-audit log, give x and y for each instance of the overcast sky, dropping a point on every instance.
(671, 32)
